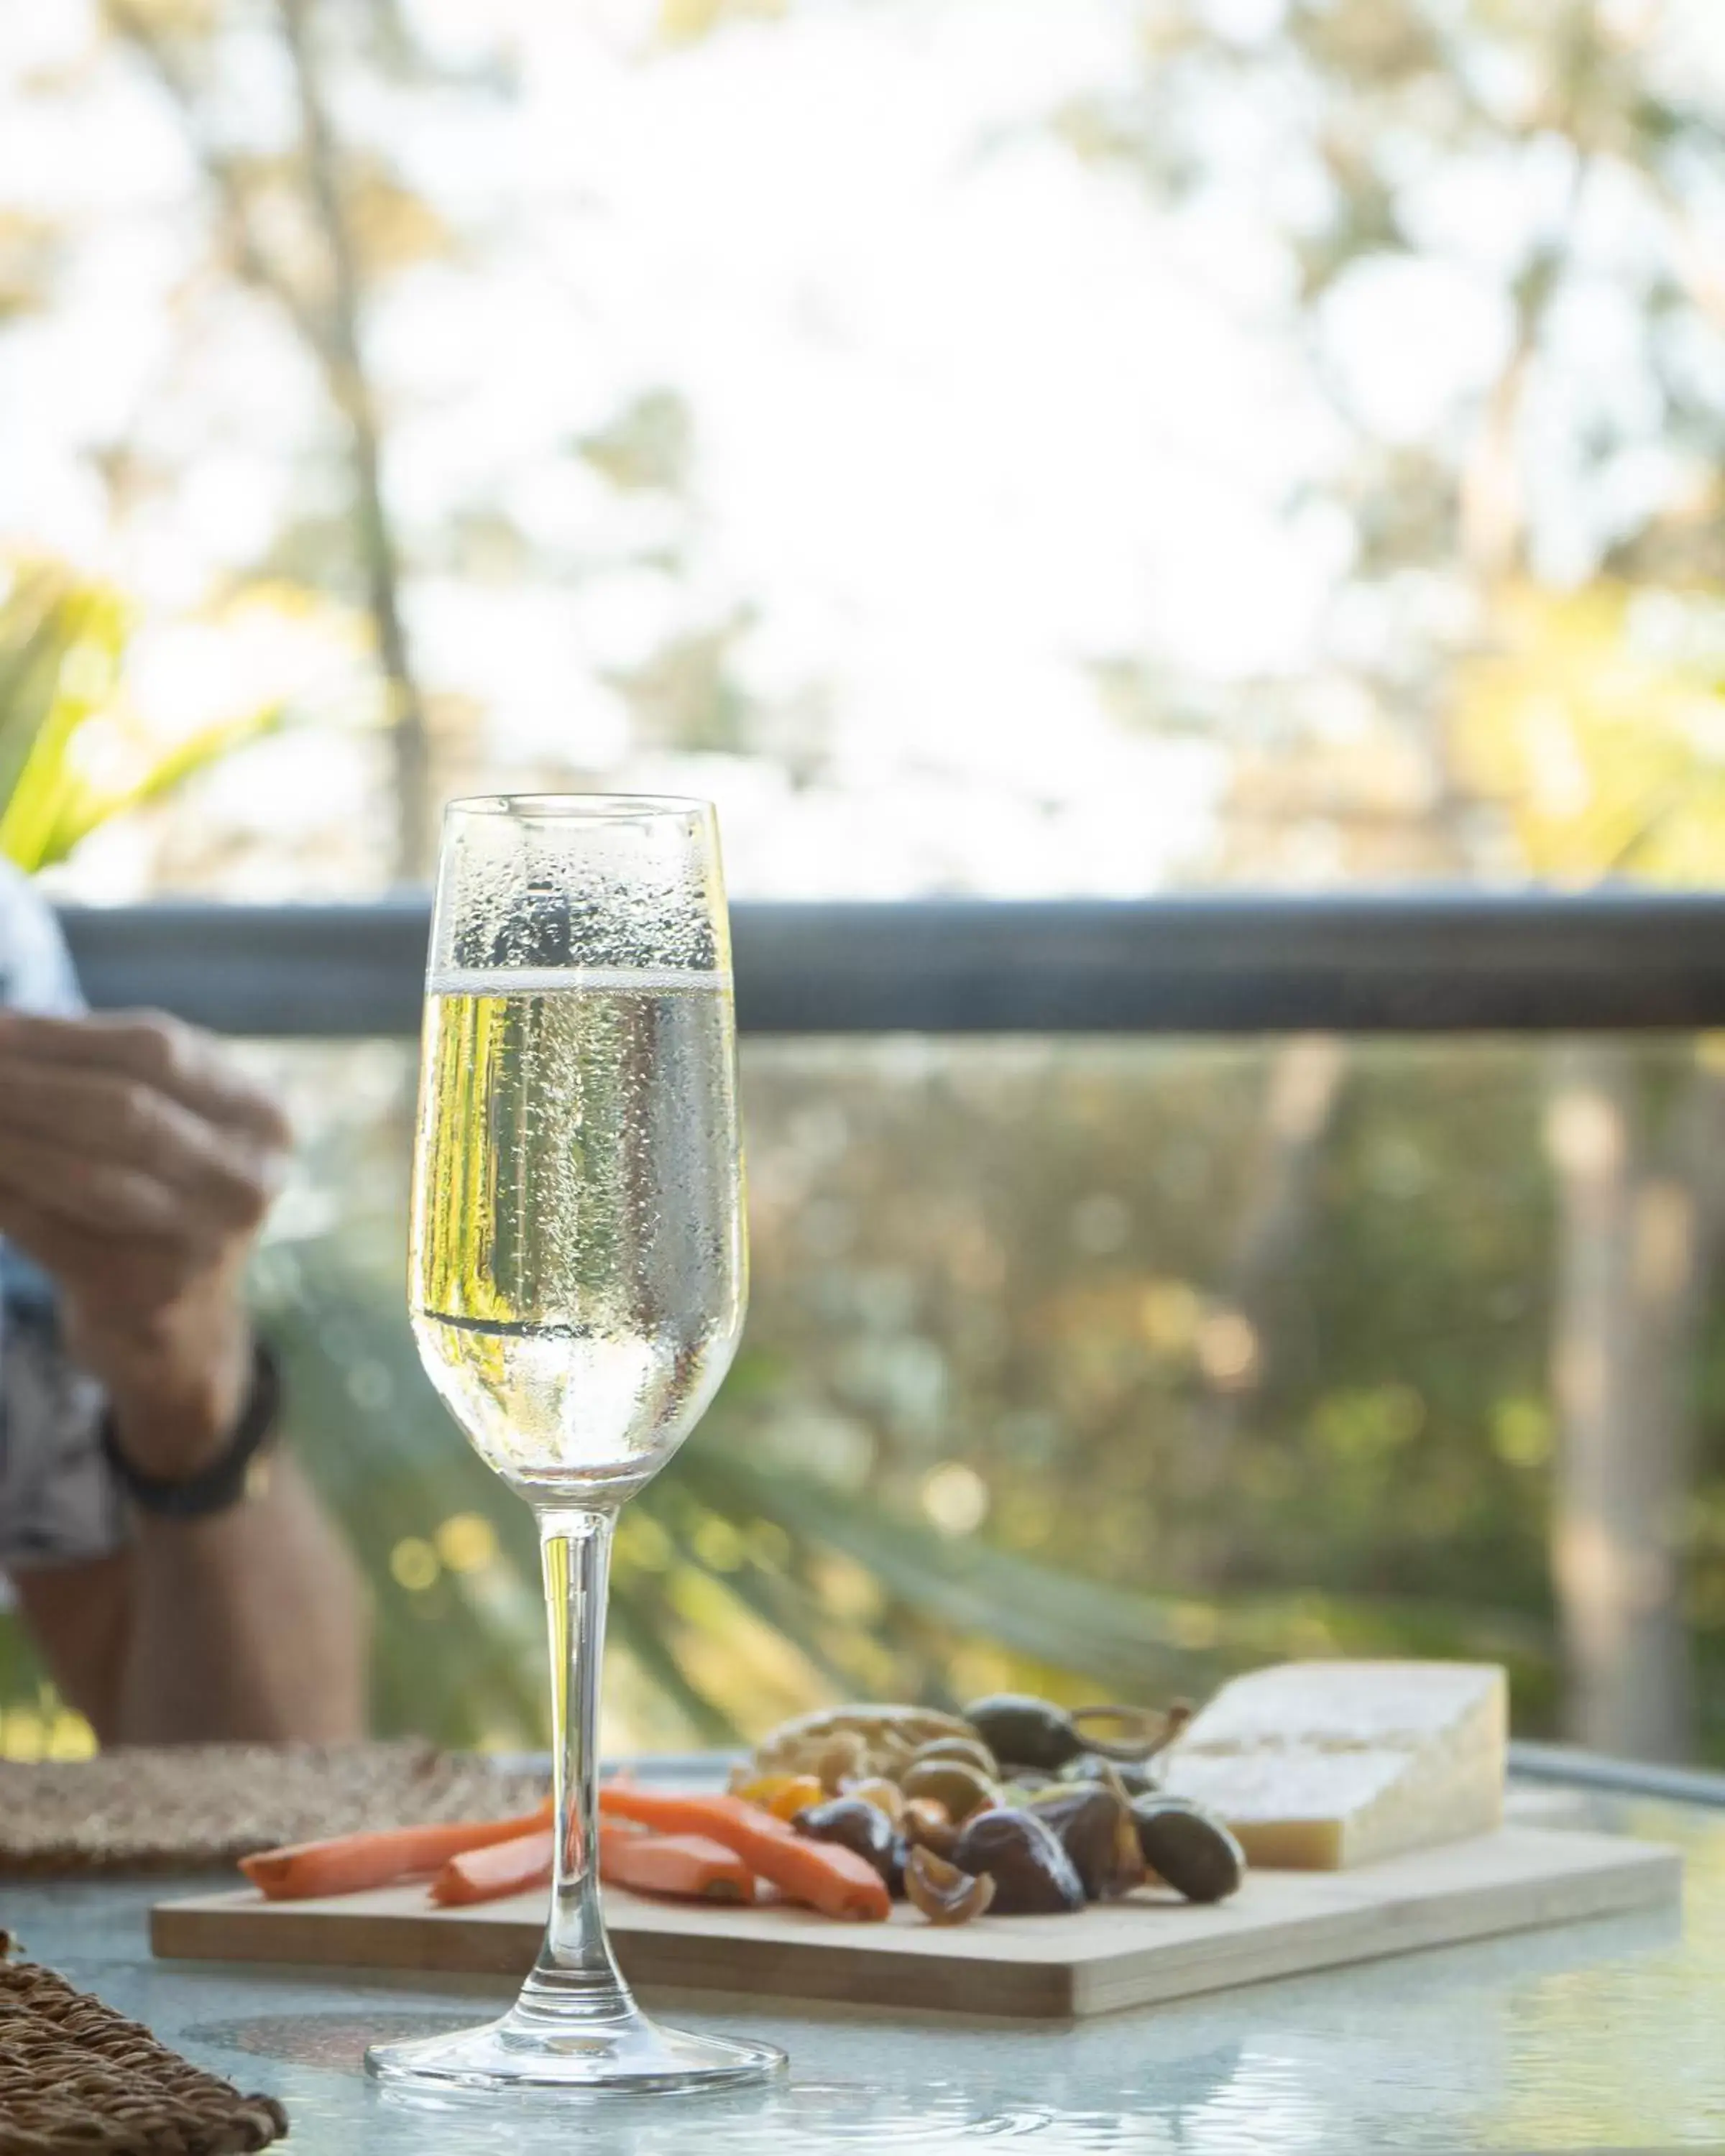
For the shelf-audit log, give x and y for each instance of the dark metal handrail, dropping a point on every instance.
(1430, 963)
(1573, 1769)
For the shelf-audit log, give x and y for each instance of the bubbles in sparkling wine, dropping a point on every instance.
(578, 1263)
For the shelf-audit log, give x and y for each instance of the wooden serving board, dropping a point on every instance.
(1136, 1953)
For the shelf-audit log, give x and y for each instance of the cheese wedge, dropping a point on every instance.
(1319, 1765)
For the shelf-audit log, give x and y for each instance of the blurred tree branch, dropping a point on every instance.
(329, 325)
(351, 388)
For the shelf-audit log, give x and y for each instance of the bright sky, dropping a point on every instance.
(968, 416)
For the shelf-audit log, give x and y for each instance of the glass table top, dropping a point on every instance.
(1609, 2034)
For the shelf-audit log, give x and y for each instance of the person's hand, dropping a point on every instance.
(137, 1164)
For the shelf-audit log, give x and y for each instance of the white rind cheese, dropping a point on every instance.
(1320, 1765)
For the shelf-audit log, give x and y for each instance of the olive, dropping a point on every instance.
(854, 1826)
(1136, 1779)
(953, 1782)
(1189, 1847)
(1033, 1875)
(1022, 1732)
(1096, 1828)
(966, 1748)
(884, 1795)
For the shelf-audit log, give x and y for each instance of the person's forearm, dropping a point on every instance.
(249, 1624)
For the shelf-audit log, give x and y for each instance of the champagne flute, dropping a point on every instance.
(579, 1279)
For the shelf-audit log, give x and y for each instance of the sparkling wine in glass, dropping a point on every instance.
(579, 1273)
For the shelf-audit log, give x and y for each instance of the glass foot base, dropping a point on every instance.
(633, 2057)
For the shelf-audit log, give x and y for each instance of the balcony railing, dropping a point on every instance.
(1430, 962)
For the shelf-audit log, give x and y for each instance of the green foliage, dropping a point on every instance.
(1384, 1491)
(1366, 117)
(647, 447)
(72, 756)
(1598, 721)
(1028, 1266)
(686, 695)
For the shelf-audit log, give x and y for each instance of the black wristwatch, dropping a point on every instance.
(228, 1477)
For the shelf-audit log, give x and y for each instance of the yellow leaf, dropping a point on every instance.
(1596, 721)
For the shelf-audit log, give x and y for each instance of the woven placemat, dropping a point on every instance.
(74, 2076)
(149, 1808)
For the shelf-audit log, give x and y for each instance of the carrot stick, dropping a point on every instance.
(691, 1865)
(500, 1868)
(683, 1865)
(834, 1879)
(349, 1861)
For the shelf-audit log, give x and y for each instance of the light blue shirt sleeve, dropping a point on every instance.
(35, 966)
(58, 1502)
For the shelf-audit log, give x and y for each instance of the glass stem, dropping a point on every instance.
(575, 1978)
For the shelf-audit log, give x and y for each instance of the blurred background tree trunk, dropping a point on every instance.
(1636, 1236)
(1254, 1330)
(350, 386)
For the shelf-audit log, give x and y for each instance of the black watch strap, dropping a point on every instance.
(227, 1478)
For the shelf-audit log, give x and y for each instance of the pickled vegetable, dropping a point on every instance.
(1033, 1875)
(784, 1795)
(1142, 1731)
(926, 1825)
(968, 1749)
(1023, 1732)
(951, 1783)
(854, 1825)
(1138, 1778)
(942, 1893)
(1096, 1827)
(1189, 1847)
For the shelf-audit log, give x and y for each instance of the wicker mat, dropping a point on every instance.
(75, 2076)
(156, 1808)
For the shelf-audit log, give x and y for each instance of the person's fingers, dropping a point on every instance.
(179, 1060)
(50, 1242)
(144, 1273)
(110, 1114)
(89, 1191)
